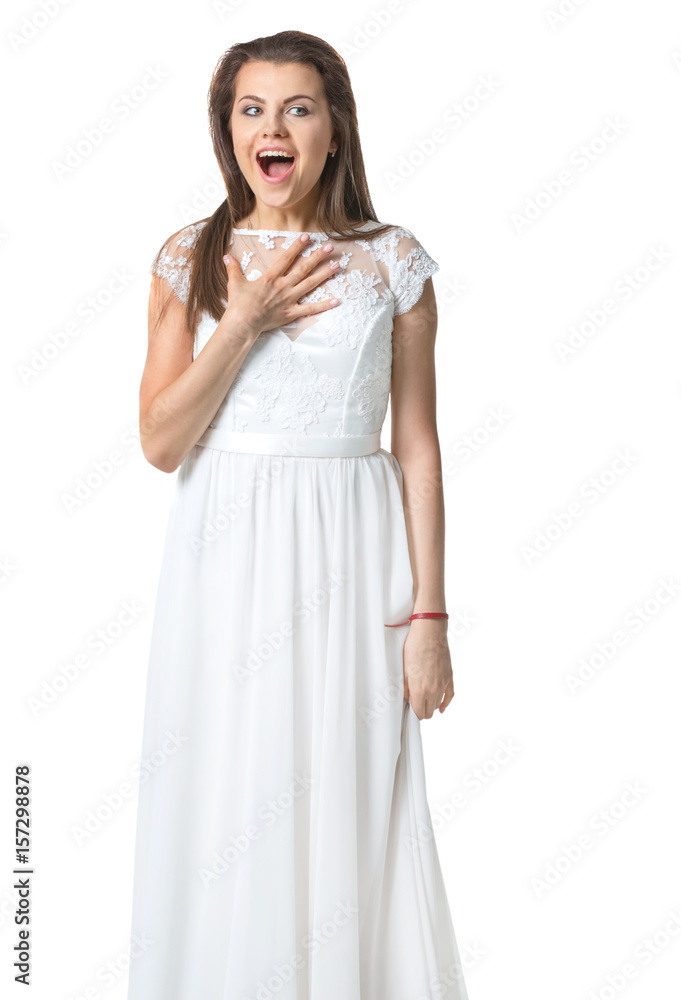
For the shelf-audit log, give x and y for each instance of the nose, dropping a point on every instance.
(274, 131)
(273, 124)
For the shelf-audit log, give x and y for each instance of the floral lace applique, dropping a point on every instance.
(408, 278)
(291, 387)
(174, 267)
(266, 237)
(409, 273)
(349, 322)
(246, 258)
(373, 390)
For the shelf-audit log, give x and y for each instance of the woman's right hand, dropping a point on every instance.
(271, 301)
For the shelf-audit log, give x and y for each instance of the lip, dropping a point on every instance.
(284, 177)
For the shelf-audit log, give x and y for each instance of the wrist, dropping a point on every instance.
(236, 327)
(433, 615)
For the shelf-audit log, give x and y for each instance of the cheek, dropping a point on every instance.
(240, 139)
(242, 158)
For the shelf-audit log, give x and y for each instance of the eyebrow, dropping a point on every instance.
(261, 100)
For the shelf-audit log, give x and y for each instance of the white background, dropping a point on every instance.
(536, 915)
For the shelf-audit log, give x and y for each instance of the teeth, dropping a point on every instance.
(274, 152)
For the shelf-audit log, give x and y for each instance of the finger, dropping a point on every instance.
(449, 696)
(312, 308)
(230, 266)
(319, 256)
(315, 267)
(287, 257)
(432, 706)
(307, 282)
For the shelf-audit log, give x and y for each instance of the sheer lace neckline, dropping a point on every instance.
(291, 232)
(374, 272)
(280, 232)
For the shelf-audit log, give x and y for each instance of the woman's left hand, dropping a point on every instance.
(428, 678)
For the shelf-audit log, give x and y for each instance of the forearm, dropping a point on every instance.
(424, 514)
(180, 413)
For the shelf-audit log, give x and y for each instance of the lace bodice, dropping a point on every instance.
(327, 374)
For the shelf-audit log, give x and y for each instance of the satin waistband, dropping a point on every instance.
(295, 445)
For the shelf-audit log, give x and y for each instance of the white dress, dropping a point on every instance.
(284, 842)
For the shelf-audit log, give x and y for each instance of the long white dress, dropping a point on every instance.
(284, 842)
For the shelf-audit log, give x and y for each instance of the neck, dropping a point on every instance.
(294, 220)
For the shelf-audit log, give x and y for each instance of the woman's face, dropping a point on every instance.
(281, 106)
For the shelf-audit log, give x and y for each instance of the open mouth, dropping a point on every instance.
(275, 166)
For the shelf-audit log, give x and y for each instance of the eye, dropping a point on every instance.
(254, 107)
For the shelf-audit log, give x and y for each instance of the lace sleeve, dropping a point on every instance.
(410, 266)
(173, 261)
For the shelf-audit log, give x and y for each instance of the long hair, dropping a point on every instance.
(344, 202)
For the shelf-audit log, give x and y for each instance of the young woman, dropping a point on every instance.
(284, 843)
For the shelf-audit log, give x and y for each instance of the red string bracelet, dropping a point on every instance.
(421, 614)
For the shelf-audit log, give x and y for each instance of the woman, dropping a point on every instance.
(284, 844)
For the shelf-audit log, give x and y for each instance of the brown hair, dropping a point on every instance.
(345, 202)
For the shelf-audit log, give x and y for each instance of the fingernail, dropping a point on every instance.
(304, 238)
(226, 258)
(328, 248)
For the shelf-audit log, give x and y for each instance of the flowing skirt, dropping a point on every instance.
(284, 843)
